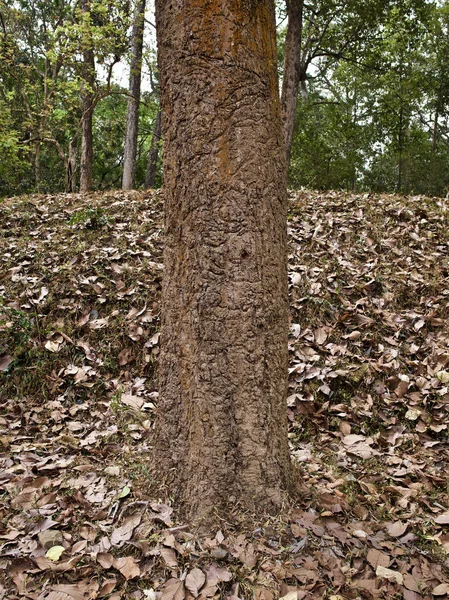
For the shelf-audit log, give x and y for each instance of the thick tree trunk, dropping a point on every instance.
(220, 437)
(87, 149)
(132, 119)
(293, 72)
(150, 178)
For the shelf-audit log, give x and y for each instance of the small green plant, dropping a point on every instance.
(116, 405)
(16, 323)
(90, 218)
(139, 471)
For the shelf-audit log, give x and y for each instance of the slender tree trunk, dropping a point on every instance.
(132, 119)
(435, 132)
(433, 185)
(220, 437)
(37, 166)
(87, 151)
(71, 168)
(401, 149)
(150, 179)
(293, 73)
(303, 83)
(407, 159)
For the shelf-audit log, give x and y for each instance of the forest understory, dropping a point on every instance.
(80, 280)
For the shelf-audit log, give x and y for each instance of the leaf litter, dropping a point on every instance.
(368, 407)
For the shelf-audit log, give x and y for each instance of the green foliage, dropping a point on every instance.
(108, 131)
(90, 218)
(376, 115)
(15, 326)
(148, 111)
(41, 84)
(13, 159)
(328, 144)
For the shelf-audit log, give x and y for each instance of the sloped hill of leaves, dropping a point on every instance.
(368, 408)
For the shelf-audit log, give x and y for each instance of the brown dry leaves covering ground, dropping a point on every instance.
(368, 408)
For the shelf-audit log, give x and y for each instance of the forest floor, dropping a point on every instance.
(368, 407)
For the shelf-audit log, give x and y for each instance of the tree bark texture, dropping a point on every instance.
(87, 98)
(150, 177)
(132, 118)
(293, 71)
(221, 429)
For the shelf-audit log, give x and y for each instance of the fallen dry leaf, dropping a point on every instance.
(173, 590)
(195, 581)
(442, 519)
(105, 559)
(411, 583)
(107, 587)
(54, 553)
(132, 401)
(441, 590)
(390, 575)
(169, 556)
(397, 529)
(5, 361)
(124, 533)
(377, 558)
(290, 596)
(127, 566)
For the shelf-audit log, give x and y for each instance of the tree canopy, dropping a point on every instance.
(371, 113)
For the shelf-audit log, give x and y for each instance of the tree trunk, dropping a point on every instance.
(37, 166)
(433, 185)
(87, 151)
(132, 119)
(435, 132)
(71, 168)
(407, 159)
(293, 74)
(150, 178)
(221, 437)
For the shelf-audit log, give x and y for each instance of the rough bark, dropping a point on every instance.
(220, 435)
(153, 154)
(132, 118)
(87, 101)
(294, 74)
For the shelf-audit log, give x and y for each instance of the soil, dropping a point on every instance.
(81, 518)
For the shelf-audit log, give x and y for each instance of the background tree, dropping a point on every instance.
(221, 426)
(12, 165)
(156, 139)
(101, 34)
(132, 120)
(42, 52)
(32, 71)
(372, 112)
(294, 70)
(153, 154)
(87, 100)
(368, 122)
(325, 31)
